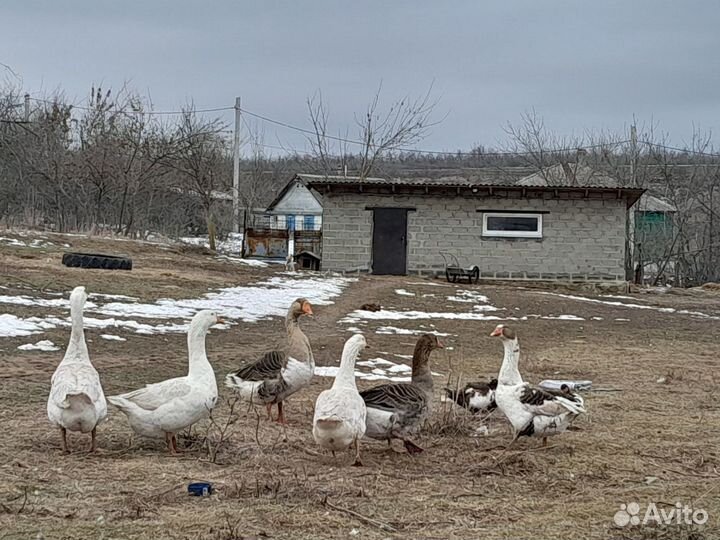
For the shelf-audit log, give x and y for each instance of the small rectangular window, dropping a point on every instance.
(512, 225)
(309, 223)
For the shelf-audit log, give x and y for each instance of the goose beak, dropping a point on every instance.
(497, 332)
(219, 320)
(441, 345)
(307, 308)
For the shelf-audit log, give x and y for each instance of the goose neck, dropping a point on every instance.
(77, 345)
(197, 357)
(346, 373)
(421, 375)
(509, 373)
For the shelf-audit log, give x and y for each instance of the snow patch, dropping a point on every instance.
(407, 331)
(44, 345)
(632, 306)
(112, 337)
(403, 292)
(468, 297)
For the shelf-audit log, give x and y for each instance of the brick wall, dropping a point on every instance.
(583, 239)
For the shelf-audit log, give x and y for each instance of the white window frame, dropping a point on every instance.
(513, 234)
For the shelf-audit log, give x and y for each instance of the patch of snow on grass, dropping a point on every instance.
(269, 298)
(12, 242)
(633, 306)
(562, 318)
(44, 345)
(385, 314)
(407, 332)
(112, 337)
(403, 292)
(12, 326)
(468, 297)
(249, 262)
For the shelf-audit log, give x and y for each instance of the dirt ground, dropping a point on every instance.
(651, 434)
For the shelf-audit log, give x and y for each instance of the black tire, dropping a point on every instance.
(475, 274)
(447, 275)
(93, 260)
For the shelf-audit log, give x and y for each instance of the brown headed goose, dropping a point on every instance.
(476, 397)
(398, 411)
(532, 411)
(340, 412)
(76, 401)
(278, 374)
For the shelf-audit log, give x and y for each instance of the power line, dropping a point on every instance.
(363, 143)
(683, 150)
(154, 113)
(418, 151)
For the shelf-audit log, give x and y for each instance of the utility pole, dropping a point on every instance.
(236, 169)
(630, 215)
(27, 108)
(633, 156)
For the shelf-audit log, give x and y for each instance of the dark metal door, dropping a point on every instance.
(390, 241)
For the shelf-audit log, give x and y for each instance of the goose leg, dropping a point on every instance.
(281, 416)
(63, 440)
(358, 462)
(173, 439)
(544, 442)
(92, 440)
(268, 408)
(169, 442)
(411, 447)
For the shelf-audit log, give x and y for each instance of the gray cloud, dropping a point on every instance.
(580, 64)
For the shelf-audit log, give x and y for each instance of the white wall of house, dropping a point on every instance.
(299, 206)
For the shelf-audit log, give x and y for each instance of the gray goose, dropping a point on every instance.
(398, 410)
(280, 373)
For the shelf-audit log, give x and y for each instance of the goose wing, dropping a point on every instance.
(394, 397)
(155, 395)
(268, 366)
(540, 401)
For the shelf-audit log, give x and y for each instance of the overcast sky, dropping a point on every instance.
(580, 64)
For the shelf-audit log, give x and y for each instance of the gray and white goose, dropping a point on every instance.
(399, 410)
(532, 411)
(280, 373)
(476, 397)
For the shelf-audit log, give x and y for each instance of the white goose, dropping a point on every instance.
(340, 412)
(76, 401)
(164, 408)
(532, 411)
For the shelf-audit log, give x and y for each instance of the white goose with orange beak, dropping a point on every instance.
(532, 411)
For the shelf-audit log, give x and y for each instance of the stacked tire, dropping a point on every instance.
(96, 261)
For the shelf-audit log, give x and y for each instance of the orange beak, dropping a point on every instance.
(497, 332)
(307, 308)
(220, 320)
(441, 345)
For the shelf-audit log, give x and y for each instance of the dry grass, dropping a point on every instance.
(641, 441)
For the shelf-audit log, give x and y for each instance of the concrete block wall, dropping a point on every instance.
(583, 239)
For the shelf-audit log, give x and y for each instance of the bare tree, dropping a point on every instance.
(381, 132)
(201, 163)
